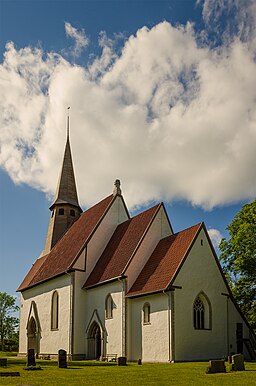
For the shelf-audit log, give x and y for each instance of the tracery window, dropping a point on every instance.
(109, 307)
(199, 314)
(55, 311)
(146, 313)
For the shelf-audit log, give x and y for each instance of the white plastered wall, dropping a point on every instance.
(159, 229)
(50, 341)
(114, 327)
(115, 215)
(149, 342)
(200, 273)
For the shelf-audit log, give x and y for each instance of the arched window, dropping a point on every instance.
(61, 211)
(55, 311)
(198, 314)
(109, 307)
(146, 313)
(202, 312)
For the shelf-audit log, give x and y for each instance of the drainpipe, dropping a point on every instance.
(169, 325)
(71, 310)
(123, 318)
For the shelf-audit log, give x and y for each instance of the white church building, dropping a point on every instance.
(107, 283)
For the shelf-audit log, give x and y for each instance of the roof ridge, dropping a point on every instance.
(165, 250)
(96, 226)
(157, 207)
(200, 226)
(47, 257)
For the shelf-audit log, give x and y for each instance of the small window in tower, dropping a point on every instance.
(72, 213)
(202, 242)
(61, 211)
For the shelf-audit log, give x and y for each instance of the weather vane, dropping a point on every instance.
(68, 109)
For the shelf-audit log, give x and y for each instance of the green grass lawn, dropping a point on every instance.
(100, 373)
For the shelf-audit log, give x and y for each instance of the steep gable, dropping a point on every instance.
(120, 248)
(67, 250)
(164, 263)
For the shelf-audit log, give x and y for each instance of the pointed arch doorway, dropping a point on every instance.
(33, 329)
(32, 335)
(95, 338)
(94, 341)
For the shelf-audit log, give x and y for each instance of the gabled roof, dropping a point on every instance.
(121, 248)
(163, 265)
(64, 254)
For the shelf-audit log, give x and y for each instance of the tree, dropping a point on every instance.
(8, 323)
(238, 258)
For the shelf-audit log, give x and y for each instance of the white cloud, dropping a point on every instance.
(169, 118)
(80, 38)
(215, 237)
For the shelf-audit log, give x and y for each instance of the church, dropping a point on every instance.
(109, 285)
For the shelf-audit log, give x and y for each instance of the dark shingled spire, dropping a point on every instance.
(66, 190)
(65, 207)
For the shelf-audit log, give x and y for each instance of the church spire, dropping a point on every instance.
(65, 207)
(66, 189)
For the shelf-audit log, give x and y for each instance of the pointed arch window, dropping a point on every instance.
(109, 305)
(55, 311)
(202, 314)
(146, 313)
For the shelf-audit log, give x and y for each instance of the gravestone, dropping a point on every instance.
(3, 362)
(216, 366)
(62, 359)
(238, 362)
(9, 374)
(139, 362)
(31, 358)
(121, 361)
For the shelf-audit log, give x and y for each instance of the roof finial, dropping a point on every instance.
(117, 191)
(68, 122)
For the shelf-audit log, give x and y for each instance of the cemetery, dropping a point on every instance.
(61, 371)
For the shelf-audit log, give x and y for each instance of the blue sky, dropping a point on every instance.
(162, 96)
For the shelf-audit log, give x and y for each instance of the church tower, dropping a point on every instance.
(65, 207)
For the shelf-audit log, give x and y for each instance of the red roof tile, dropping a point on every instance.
(121, 247)
(164, 263)
(31, 273)
(64, 253)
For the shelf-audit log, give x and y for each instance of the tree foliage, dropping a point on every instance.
(238, 257)
(8, 323)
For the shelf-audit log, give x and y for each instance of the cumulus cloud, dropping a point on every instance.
(215, 237)
(80, 38)
(171, 118)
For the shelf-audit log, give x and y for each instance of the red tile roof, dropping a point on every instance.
(164, 263)
(68, 248)
(121, 247)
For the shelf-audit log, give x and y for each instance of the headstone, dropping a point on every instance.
(139, 362)
(121, 361)
(9, 374)
(216, 366)
(62, 359)
(31, 357)
(238, 362)
(3, 362)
